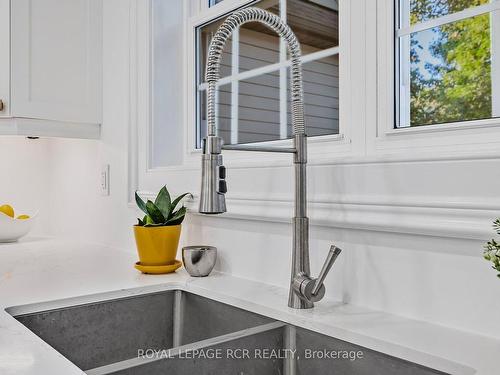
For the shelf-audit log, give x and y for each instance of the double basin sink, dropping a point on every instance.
(176, 332)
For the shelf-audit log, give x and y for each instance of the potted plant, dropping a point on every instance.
(492, 249)
(157, 233)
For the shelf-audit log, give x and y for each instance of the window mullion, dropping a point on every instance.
(404, 14)
(405, 77)
(403, 44)
(449, 18)
(273, 67)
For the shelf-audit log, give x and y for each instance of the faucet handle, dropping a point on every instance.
(330, 259)
(311, 289)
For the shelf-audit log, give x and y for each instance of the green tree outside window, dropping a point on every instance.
(454, 84)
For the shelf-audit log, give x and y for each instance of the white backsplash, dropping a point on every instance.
(25, 178)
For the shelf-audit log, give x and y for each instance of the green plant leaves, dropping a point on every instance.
(140, 203)
(149, 222)
(178, 217)
(162, 211)
(178, 199)
(164, 202)
(177, 221)
(153, 225)
(154, 213)
(492, 249)
(496, 225)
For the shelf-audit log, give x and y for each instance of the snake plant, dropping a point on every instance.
(492, 249)
(162, 212)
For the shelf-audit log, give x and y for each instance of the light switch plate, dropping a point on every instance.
(105, 180)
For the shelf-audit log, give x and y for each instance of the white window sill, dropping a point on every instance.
(452, 126)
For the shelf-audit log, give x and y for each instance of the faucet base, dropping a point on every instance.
(295, 302)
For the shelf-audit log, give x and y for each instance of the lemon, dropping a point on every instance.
(23, 217)
(7, 210)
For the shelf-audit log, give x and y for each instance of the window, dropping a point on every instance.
(253, 94)
(211, 3)
(448, 61)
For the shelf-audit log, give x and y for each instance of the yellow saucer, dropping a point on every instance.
(158, 270)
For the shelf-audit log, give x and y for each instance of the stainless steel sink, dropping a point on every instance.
(175, 332)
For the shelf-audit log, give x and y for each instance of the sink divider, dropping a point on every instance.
(177, 351)
(290, 343)
(178, 319)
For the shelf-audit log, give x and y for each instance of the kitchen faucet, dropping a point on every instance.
(304, 290)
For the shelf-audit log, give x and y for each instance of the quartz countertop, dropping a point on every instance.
(38, 270)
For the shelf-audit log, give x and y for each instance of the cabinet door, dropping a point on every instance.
(56, 59)
(4, 57)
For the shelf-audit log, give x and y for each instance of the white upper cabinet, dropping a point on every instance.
(54, 69)
(4, 58)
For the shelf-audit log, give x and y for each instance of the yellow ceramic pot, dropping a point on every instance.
(157, 246)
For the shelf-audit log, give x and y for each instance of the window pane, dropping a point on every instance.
(211, 3)
(165, 130)
(205, 34)
(424, 10)
(257, 114)
(321, 97)
(223, 112)
(259, 46)
(315, 22)
(259, 109)
(449, 74)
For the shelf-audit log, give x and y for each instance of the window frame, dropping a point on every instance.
(403, 30)
(319, 146)
(366, 110)
(475, 137)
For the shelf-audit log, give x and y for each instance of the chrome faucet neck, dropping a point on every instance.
(218, 42)
(212, 198)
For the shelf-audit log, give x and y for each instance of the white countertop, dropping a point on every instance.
(40, 270)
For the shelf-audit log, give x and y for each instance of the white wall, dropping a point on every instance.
(82, 212)
(439, 278)
(425, 278)
(24, 178)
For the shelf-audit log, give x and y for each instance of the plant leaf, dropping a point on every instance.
(154, 213)
(140, 203)
(178, 217)
(177, 200)
(164, 202)
(148, 221)
(176, 222)
(496, 225)
(140, 222)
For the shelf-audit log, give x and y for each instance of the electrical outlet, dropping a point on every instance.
(105, 180)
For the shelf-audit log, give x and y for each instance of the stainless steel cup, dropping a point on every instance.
(199, 261)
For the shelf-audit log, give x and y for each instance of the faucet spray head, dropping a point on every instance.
(213, 177)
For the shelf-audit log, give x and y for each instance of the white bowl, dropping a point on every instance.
(12, 229)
